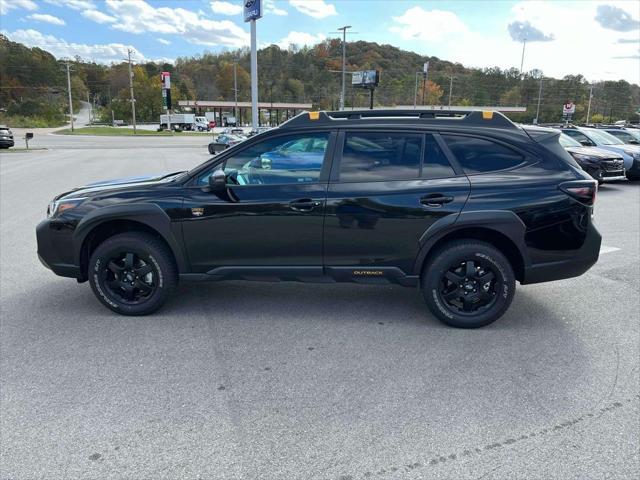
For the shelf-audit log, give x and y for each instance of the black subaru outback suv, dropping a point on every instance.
(459, 204)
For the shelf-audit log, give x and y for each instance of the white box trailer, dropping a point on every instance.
(184, 121)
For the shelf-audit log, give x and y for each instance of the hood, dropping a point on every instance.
(118, 184)
(593, 152)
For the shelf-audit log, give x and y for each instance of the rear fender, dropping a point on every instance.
(504, 222)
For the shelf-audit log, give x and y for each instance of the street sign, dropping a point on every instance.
(252, 10)
(425, 69)
(569, 108)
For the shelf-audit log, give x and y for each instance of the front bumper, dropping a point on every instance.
(7, 142)
(55, 248)
(573, 264)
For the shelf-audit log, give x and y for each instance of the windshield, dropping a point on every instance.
(567, 141)
(603, 138)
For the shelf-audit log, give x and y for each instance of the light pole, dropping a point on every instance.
(344, 63)
(133, 99)
(235, 88)
(539, 99)
(590, 98)
(450, 89)
(70, 101)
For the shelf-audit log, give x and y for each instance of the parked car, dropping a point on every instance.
(593, 137)
(233, 131)
(630, 136)
(452, 202)
(258, 131)
(600, 164)
(6, 137)
(224, 141)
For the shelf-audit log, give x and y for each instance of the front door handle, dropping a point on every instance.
(435, 200)
(304, 205)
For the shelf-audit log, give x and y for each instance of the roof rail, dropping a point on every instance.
(474, 118)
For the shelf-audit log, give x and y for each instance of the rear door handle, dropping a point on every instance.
(304, 205)
(435, 200)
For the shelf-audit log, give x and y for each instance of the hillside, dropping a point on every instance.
(33, 82)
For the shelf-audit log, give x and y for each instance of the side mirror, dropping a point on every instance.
(218, 181)
(585, 143)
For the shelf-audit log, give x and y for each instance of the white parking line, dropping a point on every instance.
(605, 249)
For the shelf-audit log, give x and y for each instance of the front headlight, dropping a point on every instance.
(584, 158)
(56, 207)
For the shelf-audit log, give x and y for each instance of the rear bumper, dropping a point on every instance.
(572, 265)
(6, 142)
(51, 240)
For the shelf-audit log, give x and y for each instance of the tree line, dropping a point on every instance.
(33, 83)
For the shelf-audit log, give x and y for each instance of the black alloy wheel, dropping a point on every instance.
(132, 273)
(468, 287)
(468, 283)
(130, 278)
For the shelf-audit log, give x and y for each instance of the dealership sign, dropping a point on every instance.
(569, 108)
(252, 10)
(365, 79)
(165, 81)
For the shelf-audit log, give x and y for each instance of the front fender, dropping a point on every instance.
(148, 214)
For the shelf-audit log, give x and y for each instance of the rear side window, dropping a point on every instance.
(478, 155)
(435, 164)
(380, 156)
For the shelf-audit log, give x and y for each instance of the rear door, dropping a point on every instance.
(387, 187)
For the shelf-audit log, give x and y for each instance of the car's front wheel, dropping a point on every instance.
(132, 273)
(468, 284)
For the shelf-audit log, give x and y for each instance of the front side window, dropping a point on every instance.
(477, 155)
(380, 156)
(280, 160)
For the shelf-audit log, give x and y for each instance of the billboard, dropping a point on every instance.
(365, 79)
(252, 10)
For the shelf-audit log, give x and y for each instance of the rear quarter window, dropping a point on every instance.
(478, 155)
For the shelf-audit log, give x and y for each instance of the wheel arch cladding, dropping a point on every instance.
(502, 229)
(105, 222)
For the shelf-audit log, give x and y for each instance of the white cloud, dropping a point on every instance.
(43, 17)
(429, 25)
(300, 39)
(314, 8)
(6, 5)
(98, 16)
(137, 16)
(59, 48)
(578, 46)
(73, 4)
(270, 7)
(163, 41)
(226, 8)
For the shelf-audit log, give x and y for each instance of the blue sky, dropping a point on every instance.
(600, 39)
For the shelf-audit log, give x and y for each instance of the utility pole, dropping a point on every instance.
(69, 91)
(344, 63)
(539, 98)
(590, 98)
(133, 100)
(450, 89)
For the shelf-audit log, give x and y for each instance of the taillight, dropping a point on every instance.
(582, 190)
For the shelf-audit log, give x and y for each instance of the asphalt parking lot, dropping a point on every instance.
(286, 381)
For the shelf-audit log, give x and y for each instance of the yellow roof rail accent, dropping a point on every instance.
(487, 114)
(314, 115)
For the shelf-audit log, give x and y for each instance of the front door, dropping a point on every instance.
(273, 213)
(383, 197)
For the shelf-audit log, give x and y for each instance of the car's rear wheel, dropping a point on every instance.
(132, 273)
(468, 284)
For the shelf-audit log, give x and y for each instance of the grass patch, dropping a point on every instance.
(20, 149)
(123, 131)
